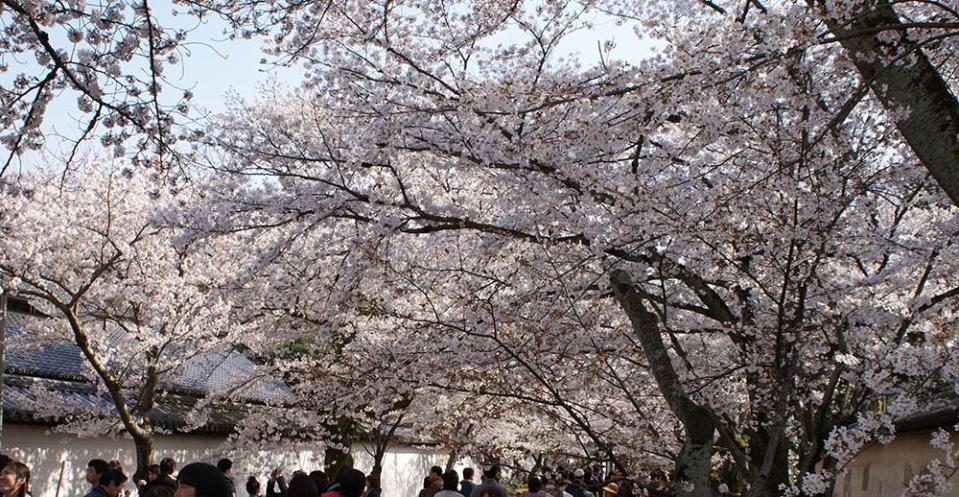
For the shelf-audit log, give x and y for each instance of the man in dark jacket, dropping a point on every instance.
(577, 488)
(435, 479)
(95, 468)
(276, 486)
(226, 467)
(110, 484)
(491, 482)
(167, 468)
(467, 485)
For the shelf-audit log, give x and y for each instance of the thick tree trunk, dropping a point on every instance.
(904, 79)
(140, 431)
(343, 432)
(692, 467)
(451, 460)
(144, 450)
(377, 469)
(379, 452)
(767, 484)
(336, 460)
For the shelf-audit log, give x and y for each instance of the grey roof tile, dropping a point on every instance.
(215, 372)
(22, 394)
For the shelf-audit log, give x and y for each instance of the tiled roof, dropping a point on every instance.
(215, 372)
(53, 360)
(220, 371)
(23, 394)
(938, 414)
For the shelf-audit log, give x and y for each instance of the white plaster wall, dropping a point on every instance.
(405, 467)
(47, 452)
(884, 470)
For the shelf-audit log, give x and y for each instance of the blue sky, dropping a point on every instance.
(213, 65)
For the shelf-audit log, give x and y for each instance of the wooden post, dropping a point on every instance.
(60, 480)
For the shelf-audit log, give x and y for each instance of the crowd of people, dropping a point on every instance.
(562, 482)
(200, 479)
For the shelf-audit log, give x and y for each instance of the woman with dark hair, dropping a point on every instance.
(535, 487)
(349, 483)
(200, 479)
(320, 479)
(159, 492)
(451, 480)
(302, 485)
(373, 486)
(153, 472)
(253, 486)
(15, 480)
(427, 484)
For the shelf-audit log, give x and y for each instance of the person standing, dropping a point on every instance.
(436, 481)
(450, 482)
(276, 486)
(320, 479)
(490, 484)
(467, 485)
(253, 486)
(200, 479)
(226, 467)
(577, 488)
(302, 485)
(95, 468)
(373, 486)
(153, 472)
(167, 468)
(15, 480)
(611, 489)
(111, 483)
(535, 487)
(350, 482)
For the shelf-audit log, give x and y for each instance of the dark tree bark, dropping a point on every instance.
(693, 465)
(144, 449)
(136, 420)
(335, 460)
(903, 78)
(343, 431)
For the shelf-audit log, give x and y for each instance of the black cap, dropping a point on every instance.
(207, 479)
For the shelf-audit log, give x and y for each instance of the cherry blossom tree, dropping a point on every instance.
(901, 50)
(902, 55)
(95, 256)
(112, 57)
(93, 52)
(716, 219)
(742, 239)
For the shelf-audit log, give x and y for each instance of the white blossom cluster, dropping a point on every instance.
(455, 228)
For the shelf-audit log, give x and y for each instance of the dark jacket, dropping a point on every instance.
(230, 487)
(96, 492)
(161, 481)
(281, 482)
